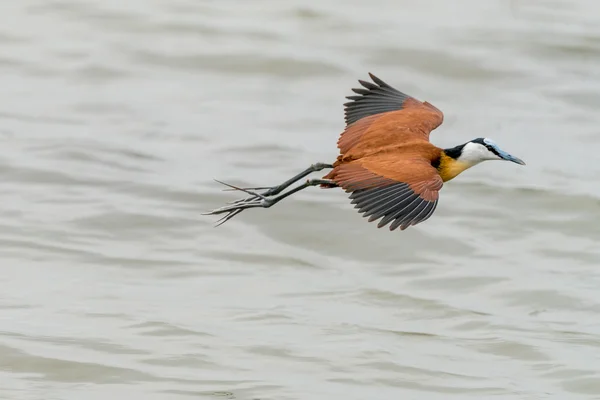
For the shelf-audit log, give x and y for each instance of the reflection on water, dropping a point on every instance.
(116, 116)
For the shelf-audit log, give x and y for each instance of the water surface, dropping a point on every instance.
(115, 116)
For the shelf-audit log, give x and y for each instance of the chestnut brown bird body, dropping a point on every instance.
(386, 160)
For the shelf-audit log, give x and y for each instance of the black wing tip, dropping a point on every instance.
(372, 98)
(377, 80)
(418, 219)
(368, 85)
(377, 83)
(381, 204)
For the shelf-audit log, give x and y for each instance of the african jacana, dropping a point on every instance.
(386, 160)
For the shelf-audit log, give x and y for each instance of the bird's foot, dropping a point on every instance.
(250, 191)
(268, 190)
(232, 188)
(235, 207)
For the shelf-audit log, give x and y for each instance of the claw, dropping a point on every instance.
(227, 217)
(244, 200)
(255, 188)
(251, 203)
(232, 188)
(243, 190)
(235, 207)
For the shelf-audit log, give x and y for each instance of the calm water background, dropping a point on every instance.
(115, 116)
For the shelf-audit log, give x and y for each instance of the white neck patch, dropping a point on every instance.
(474, 153)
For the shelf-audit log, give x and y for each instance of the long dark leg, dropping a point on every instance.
(269, 192)
(260, 200)
(281, 187)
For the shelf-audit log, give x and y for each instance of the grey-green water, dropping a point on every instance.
(115, 116)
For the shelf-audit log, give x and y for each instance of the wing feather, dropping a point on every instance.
(380, 98)
(385, 159)
(379, 113)
(376, 195)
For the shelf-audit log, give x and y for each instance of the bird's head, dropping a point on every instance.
(483, 149)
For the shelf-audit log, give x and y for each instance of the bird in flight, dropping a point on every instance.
(386, 161)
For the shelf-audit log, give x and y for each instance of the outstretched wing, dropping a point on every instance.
(379, 97)
(379, 103)
(378, 190)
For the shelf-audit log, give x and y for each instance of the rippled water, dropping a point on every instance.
(115, 116)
